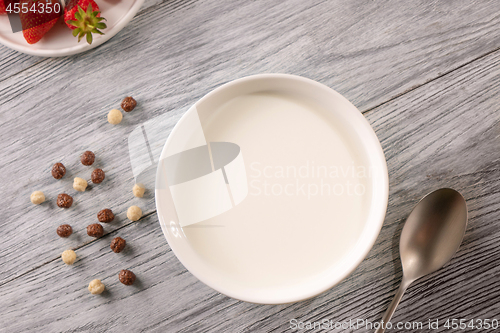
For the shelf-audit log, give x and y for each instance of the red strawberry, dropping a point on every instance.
(84, 18)
(4, 4)
(36, 24)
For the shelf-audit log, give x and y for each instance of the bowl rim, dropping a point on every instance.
(367, 238)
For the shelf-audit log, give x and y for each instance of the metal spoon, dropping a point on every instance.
(431, 236)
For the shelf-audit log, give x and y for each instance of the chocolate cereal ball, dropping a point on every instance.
(64, 200)
(97, 176)
(64, 230)
(126, 277)
(95, 230)
(118, 244)
(105, 215)
(88, 158)
(58, 171)
(129, 104)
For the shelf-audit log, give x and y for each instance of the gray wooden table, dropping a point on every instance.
(426, 75)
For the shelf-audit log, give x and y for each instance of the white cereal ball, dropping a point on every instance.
(79, 184)
(37, 197)
(134, 213)
(115, 117)
(96, 287)
(69, 257)
(138, 190)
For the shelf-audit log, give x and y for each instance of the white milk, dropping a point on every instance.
(275, 238)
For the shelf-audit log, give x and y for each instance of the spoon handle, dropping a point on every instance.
(394, 304)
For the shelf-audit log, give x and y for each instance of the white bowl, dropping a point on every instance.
(286, 244)
(59, 41)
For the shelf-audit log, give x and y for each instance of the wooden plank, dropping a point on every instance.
(55, 110)
(368, 51)
(13, 62)
(27, 169)
(442, 134)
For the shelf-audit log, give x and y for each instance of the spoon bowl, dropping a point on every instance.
(431, 236)
(432, 233)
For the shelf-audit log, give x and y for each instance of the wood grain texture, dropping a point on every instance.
(445, 133)
(184, 50)
(438, 128)
(367, 50)
(13, 62)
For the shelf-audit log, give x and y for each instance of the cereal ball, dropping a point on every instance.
(97, 176)
(79, 184)
(105, 215)
(95, 230)
(69, 257)
(64, 200)
(138, 190)
(58, 171)
(118, 244)
(126, 277)
(87, 158)
(96, 287)
(37, 197)
(129, 104)
(64, 230)
(134, 213)
(115, 117)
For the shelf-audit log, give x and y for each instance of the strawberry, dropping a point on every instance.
(2, 7)
(36, 24)
(84, 18)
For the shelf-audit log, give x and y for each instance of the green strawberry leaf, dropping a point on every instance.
(73, 23)
(89, 37)
(86, 23)
(81, 11)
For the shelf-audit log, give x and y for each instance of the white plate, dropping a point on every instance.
(60, 42)
(272, 188)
